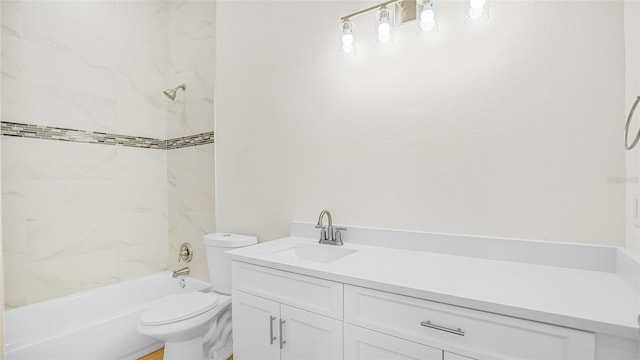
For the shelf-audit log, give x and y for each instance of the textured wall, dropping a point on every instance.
(508, 128)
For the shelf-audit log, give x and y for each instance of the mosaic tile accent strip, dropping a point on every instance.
(192, 140)
(94, 137)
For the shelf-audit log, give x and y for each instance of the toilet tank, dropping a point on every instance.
(218, 262)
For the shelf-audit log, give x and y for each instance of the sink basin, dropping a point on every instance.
(310, 252)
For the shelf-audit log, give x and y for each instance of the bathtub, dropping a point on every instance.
(97, 324)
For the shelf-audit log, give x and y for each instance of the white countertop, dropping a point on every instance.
(595, 301)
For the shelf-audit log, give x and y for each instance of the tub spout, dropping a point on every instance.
(183, 271)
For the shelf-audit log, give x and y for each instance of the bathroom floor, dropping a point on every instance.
(159, 355)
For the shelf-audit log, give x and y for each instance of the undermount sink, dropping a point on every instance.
(312, 252)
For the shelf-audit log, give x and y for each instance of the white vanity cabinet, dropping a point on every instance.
(365, 344)
(265, 329)
(473, 333)
(281, 315)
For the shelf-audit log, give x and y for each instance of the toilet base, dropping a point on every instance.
(184, 350)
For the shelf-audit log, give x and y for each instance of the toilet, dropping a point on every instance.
(197, 325)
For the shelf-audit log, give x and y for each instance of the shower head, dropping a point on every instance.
(171, 93)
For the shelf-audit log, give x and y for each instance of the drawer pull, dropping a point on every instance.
(271, 337)
(428, 324)
(282, 341)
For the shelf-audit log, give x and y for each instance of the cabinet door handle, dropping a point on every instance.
(282, 342)
(428, 324)
(271, 337)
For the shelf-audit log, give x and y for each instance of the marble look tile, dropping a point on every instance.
(89, 16)
(58, 160)
(142, 195)
(195, 19)
(14, 204)
(12, 100)
(143, 21)
(16, 286)
(13, 159)
(64, 237)
(13, 55)
(149, 164)
(142, 229)
(85, 29)
(145, 117)
(11, 23)
(191, 163)
(68, 199)
(136, 261)
(63, 276)
(68, 109)
(194, 196)
(14, 237)
(65, 70)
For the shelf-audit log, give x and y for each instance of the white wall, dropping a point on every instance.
(632, 81)
(509, 128)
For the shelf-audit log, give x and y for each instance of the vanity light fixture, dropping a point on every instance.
(392, 13)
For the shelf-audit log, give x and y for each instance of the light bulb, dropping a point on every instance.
(478, 9)
(427, 20)
(384, 32)
(347, 38)
(427, 15)
(477, 4)
(475, 13)
(384, 26)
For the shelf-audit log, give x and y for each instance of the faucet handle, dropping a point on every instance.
(338, 234)
(323, 232)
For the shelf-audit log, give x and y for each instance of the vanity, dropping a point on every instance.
(390, 294)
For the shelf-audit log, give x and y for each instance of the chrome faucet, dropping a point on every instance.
(327, 234)
(183, 271)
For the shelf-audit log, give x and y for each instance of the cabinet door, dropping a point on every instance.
(364, 344)
(255, 327)
(309, 336)
(452, 356)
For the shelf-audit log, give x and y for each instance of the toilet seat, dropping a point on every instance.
(178, 307)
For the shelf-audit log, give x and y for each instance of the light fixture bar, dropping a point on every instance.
(369, 9)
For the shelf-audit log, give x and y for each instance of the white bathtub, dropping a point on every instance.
(97, 324)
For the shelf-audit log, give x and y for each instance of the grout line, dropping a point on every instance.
(95, 137)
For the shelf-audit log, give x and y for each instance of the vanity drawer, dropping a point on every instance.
(473, 333)
(319, 296)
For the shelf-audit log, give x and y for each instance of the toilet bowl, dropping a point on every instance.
(181, 321)
(188, 322)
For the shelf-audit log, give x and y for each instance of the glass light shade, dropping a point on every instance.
(427, 16)
(347, 39)
(477, 10)
(384, 26)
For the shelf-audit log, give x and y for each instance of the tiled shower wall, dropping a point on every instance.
(191, 169)
(78, 215)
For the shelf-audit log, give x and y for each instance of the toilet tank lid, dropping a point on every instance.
(229, 240)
